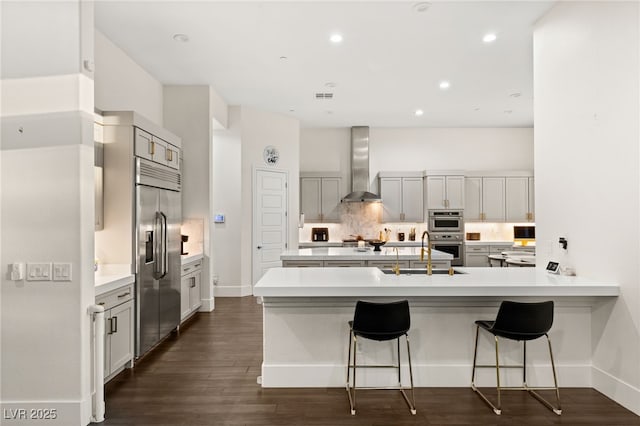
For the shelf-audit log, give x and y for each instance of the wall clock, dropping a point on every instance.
(270, 155)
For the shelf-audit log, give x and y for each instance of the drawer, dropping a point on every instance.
(190, 267)
(115, 297)
(343, 263)
(302, 263)
(499, 249)
(476, 249)
(387, 264)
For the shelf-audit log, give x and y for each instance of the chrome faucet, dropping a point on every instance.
(429, 268)
(396, 268)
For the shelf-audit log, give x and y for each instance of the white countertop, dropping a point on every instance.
(363, 282)
(352, 253)
(191, 257)
(112, 277)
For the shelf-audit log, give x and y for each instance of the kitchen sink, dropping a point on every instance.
(421, 271)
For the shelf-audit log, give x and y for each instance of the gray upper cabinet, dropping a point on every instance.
(445, 192)
(320, 198)
(402, 197)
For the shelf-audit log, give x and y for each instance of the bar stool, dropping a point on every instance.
(379, 322)
(521, 322)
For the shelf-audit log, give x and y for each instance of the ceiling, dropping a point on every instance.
(276, 56)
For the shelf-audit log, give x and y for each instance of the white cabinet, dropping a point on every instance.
(320, 198)
(155, 149)
(499, 198)
(484, 199)
(118, 316)
(519, 199)
(493, 199)
(445, 192)
(532, 199)
(476, 256)
(191, 278)
(402, 198)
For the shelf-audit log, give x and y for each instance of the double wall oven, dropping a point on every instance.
(446, 228)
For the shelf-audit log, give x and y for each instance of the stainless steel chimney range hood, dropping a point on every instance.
(360, 167)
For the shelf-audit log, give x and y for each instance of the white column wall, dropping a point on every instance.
(259, 129)
(186, 113)
(587, 162)
(47, 211)
(226, 182)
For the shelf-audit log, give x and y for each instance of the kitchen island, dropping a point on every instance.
(306, 333)
(387, 257)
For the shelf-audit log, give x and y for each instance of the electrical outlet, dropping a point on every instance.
(62, 272)
(38, 271)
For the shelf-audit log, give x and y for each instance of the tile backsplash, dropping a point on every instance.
(361, 219)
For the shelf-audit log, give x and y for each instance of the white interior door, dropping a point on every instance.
(270, 222)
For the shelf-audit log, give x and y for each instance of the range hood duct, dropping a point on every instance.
(360, 167)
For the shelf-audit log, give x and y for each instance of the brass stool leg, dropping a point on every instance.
(475, 355)
(498, 410)
(473, 376)
(546, 403)
(352, 398)
(412, 405)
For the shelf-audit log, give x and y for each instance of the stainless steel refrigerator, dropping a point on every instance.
(158, 219)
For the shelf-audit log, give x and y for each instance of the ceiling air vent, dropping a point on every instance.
(324, 95)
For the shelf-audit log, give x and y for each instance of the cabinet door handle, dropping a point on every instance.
(110, 326)
(152, 147)
(193, 282)
(169, 155)
(115, 322)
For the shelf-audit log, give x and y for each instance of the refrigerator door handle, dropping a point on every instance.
(160, 266)
(165, 246)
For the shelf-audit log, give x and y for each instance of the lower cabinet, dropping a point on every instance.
(191, 281)
(387, 264)
(302, 264)
(476, 255)
(118, 317)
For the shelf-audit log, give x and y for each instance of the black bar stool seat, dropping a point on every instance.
(379, 322)
(521, 322)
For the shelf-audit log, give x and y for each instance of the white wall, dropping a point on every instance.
(123, 85)
(186, 113)
(259, 129)
(417, 149)
(227, 199)
(587, 106)
(47, 215)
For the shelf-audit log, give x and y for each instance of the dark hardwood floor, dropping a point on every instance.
(207, 376)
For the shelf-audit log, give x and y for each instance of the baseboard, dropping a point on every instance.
(207, 305)
(231, 291)
(621, 392)
(424, 375)
(51, 413)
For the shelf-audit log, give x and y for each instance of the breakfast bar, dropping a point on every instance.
(306, 310)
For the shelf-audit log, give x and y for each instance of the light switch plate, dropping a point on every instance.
(62, 271)
(38, 271)
(17, 271)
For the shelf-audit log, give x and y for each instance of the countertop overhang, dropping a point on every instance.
(475, 282)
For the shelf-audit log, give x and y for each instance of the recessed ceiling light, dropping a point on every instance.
(419, 112)
(489, 38)
(444, 85)
(423, 6)
(182, 38)
(330, 84)
(336, 38)
(516, 95)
